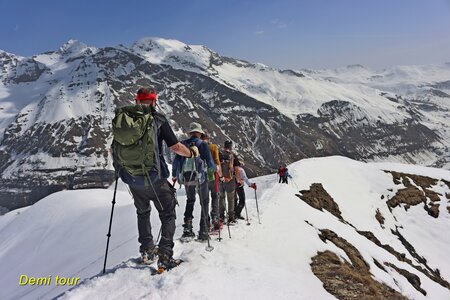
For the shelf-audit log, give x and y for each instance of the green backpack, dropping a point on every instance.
(134, 145)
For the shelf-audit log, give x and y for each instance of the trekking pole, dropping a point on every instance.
(220, 227)
(246, 213)
(159, 235)
(257, 209)
(219, 238)
(228, 221)
(295, 184)
(208, 248)
(110, 224)
(218, 208)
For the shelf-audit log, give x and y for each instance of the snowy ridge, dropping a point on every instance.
(174, 53)
(288, 91)
(64, 234)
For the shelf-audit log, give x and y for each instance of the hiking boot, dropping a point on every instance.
(188, 234)
(202, 236)
(231, 220)
(239, 217)
(166, 263)
(149, 256)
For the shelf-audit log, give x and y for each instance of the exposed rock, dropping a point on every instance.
(348, 280)
(318, 198)
(422, 181)
(344, 281)
(432, 274)
(353, 253)
(370, 236)
(446, 183)
(379, 218)
(379, 265)
(412, 278)
(410, 196)
(432, 209)
(419, 192)
(429, 272)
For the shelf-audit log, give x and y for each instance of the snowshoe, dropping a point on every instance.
(166, 263)
(149, 256)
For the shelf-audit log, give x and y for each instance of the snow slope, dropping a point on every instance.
(287, 91)
(64, 234)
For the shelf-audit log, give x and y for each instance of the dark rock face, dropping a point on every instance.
(353, 135)
(62, 140)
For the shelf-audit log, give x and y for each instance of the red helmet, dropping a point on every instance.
(148, 93)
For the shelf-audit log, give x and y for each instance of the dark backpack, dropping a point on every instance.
(134, 139)
(226, 163)
(192, 168)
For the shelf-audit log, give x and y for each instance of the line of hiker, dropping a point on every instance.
(283, 174)
(139, 132)
(214, 172)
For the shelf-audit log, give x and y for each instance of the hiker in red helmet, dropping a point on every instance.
(139, 132)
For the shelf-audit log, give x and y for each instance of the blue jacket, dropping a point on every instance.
(205, 155)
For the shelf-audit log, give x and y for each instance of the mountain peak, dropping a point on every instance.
(153, 43)
(169, 51)
(356, 66)
(73, 46)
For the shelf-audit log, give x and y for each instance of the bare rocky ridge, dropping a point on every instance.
(348, 280)
(353, 280)
(418, 189)
(318, 198)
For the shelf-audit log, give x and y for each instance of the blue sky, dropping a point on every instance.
(283, 34)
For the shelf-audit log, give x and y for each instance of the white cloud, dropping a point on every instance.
(279, 23)
(259, 32)
(16, 28)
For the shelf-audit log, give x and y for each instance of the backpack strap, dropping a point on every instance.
(157, 121)
(156, 160)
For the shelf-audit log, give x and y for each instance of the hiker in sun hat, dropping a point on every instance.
(192, 174)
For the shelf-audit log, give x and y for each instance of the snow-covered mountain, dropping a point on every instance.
(56, 110)
(341, 228)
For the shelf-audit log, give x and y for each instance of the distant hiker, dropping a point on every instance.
(229, 163)
(192, 173)
(213, 181)
(240, 193)
(286, 176)
(281, 173)
(138, 132)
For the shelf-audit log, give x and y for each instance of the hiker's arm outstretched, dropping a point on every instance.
(181, 149)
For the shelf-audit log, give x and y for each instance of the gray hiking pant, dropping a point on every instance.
(227, 189)
(214, 199)
(204, 202)
(163, 196)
